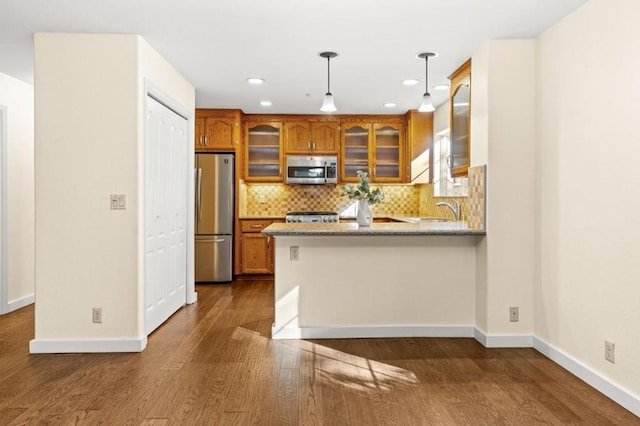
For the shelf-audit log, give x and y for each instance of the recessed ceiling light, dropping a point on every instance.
(441, 87)
(255, 80)
(389, 105)
(265, 103)
(410, 82)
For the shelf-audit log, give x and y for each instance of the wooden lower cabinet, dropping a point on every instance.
(257, 251)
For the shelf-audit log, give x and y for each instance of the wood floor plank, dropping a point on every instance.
(213, 363)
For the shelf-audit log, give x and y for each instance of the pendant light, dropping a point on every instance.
(426, 105)
(327, 103)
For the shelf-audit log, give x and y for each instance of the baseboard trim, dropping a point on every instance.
(54, 346)
(282, 333)
(613, 391)
(14, 305)
(503, 340)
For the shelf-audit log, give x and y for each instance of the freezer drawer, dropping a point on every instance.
(213, 258)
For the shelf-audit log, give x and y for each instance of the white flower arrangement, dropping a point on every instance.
(362, 191)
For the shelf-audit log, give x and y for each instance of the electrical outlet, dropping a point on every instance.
(294, 253)
(514, 314)
(610, 351)
(262, 199)
(97, 315)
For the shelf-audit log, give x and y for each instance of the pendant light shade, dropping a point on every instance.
(327, 103)
(426, 105)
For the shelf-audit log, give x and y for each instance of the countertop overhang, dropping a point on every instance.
(390, 228)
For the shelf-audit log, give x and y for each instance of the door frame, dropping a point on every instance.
(153, 91)
(4, 302)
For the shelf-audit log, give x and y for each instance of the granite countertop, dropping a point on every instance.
(255, 217)
(389, 228)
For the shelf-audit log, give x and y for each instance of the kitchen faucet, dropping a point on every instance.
(455, 210)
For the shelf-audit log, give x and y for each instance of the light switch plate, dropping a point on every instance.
(118, 202)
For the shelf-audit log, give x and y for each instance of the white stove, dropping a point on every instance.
(312, 217)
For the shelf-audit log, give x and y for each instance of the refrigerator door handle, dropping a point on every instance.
(216, 240)
(199, 195)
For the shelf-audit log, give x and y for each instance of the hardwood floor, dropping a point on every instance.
(213, 363)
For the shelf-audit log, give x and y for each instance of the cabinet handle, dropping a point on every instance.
(206, 140)
(201, 140)
(313, 146)
(308, 145)
(256, 226)
(268, 241)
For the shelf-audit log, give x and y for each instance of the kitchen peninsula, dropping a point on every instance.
(386, 280)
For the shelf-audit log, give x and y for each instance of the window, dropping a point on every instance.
(443, 184)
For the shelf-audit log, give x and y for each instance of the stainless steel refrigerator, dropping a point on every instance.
(214, 217)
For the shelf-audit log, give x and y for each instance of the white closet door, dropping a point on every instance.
(165, 213)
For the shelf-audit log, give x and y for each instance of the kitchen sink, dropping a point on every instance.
(434, 219)
(423, 219)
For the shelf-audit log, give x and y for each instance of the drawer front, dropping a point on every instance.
(254, 225)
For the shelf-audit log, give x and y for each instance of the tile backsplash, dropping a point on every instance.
(276, 200)
(477, 197)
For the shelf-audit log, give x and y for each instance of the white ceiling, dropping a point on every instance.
(217, 44)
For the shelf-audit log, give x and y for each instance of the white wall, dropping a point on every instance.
(17, 98)
(587, 286)
(441, 118)
(503, 135)
(86, 149)
(90, 138)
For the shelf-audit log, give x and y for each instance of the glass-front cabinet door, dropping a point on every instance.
(263, 152)
(387, 143)
(460, 120)
(355, 150)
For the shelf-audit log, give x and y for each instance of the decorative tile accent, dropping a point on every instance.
(477, 197)
(278, 199)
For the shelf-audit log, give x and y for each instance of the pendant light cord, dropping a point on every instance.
(328, 75)
(426, 75)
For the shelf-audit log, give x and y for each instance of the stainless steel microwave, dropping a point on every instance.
(312, 170)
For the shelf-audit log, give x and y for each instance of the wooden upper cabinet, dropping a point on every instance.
(324, 137)
(388, 150)
(460, 123)
(356, 140)
(311, 137)
(418, 167)
(263, 153)
(199, 124)
(297, 137)
(219, 130)
(373, 147)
